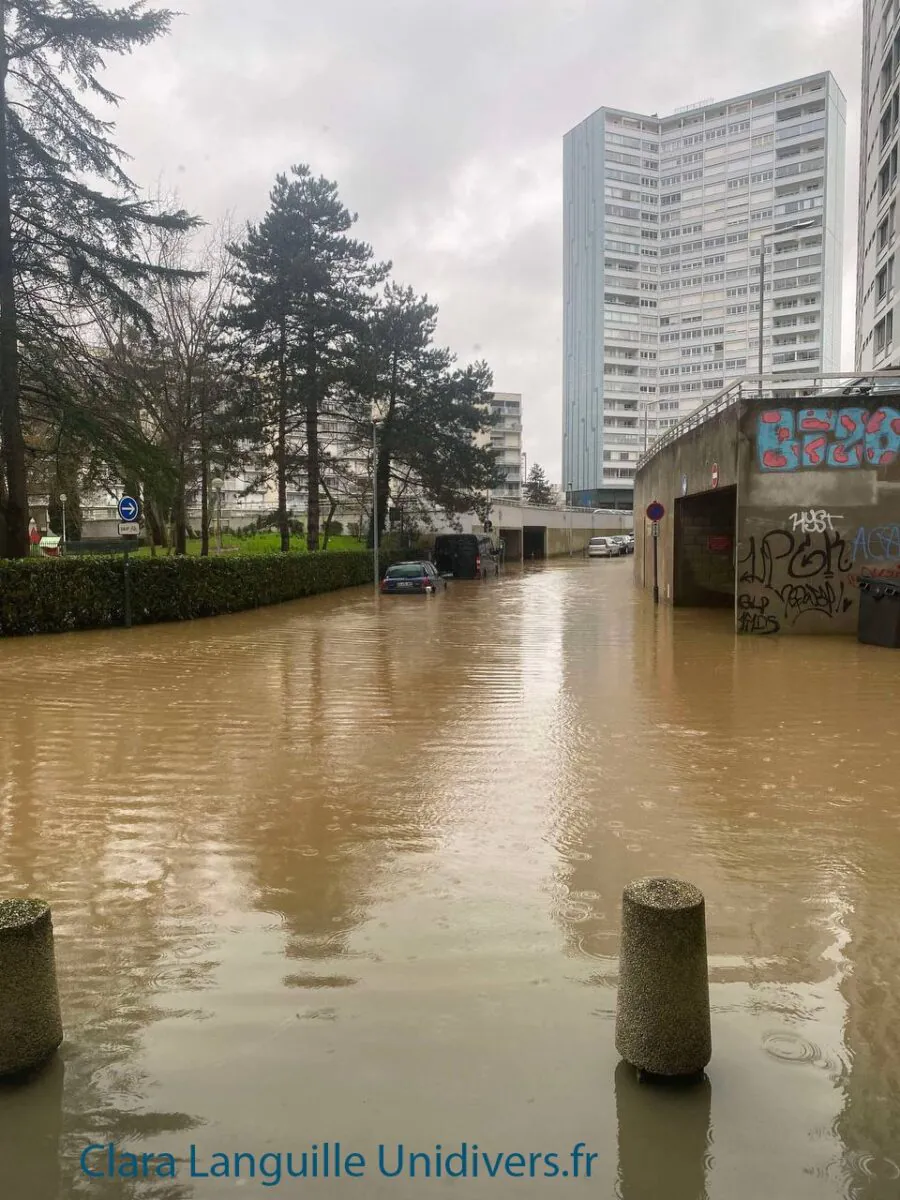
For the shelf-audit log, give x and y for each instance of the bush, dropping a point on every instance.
(333, 528)
(49, 595)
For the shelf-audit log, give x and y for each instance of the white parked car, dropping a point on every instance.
(602, 547)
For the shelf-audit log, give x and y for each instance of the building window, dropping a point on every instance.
(884, 280)
(887, 176)
(884, 333)
(886, 228)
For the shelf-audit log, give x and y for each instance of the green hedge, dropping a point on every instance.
(56, 595)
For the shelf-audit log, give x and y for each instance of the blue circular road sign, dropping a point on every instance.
(128, 509)
(655, 511)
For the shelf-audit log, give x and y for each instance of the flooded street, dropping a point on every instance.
(349, 870)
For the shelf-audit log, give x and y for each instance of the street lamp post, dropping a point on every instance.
(568, 503)
(807, 224)
(217, 485)
(62, 500)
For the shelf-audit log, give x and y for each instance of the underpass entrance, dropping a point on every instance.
(534, 541)
(512, 544)
(705, 527)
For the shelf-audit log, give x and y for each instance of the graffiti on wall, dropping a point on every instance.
(787, 574)
(790, 439)
(879, 544)
(813, 520)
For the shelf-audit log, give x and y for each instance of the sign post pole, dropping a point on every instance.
(129, 527)
(127, 592)
(655, 513)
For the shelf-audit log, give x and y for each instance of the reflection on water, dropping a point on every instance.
(665, 1139)
(350, 869)
(30, 1131)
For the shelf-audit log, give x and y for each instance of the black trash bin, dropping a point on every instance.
(879, 612)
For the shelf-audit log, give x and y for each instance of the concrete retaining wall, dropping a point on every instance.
(816, 509)
(819, 508)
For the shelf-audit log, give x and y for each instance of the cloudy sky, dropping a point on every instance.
(443, 125)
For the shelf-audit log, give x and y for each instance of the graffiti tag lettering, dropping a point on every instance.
(875, 573)
(814, 520)
(787, 575)
(789, 440)
(801, 558)
(877, 545)
(811, 597)
(752, 615)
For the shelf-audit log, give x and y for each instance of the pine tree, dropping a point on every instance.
(303, 290)
(538, 489)
(63, 242)
(430, 412)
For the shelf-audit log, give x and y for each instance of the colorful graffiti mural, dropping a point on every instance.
(790, 439)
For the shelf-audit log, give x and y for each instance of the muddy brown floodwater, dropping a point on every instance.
(350, 870)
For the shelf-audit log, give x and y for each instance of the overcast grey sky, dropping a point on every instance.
(443, 125)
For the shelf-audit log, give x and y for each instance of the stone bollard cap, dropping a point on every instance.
(668, 894)
(16, 915)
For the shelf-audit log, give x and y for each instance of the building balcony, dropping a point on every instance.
(814, 135)
(794, 170)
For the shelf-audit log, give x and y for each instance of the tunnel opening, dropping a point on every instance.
(534, 541)
(705, 528)
(512, 544)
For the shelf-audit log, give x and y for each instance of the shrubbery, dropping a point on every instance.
(54, 595)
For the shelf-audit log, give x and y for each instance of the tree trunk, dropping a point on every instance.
(312, 452)
(156, 526)
(281, 448)
(3, 552)
(11, 435)
(312, 475)
(204, 489)
(332, 509)
(179, 509)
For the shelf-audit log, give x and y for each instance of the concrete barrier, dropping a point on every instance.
(662, 1011)
(30, 1020)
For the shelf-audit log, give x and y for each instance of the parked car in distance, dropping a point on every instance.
(602, 547)
(619, 543)
(412, 577)
(466, 555)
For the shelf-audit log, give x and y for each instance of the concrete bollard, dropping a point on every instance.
(662, 1010)
(30, 1020)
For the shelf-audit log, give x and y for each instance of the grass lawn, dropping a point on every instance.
(260, 543)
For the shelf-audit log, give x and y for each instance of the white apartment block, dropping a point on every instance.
(506, 441)
(663, 221)
(877, 343)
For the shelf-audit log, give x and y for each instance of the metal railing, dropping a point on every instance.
(756, 387)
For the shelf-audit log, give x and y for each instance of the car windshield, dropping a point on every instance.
(406, 571)
(598, 541)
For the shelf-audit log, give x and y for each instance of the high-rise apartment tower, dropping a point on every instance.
(877, 323)
(664, 219)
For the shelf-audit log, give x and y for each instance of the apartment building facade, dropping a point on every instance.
(506, 441)
(877, 323)
(664, 220)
